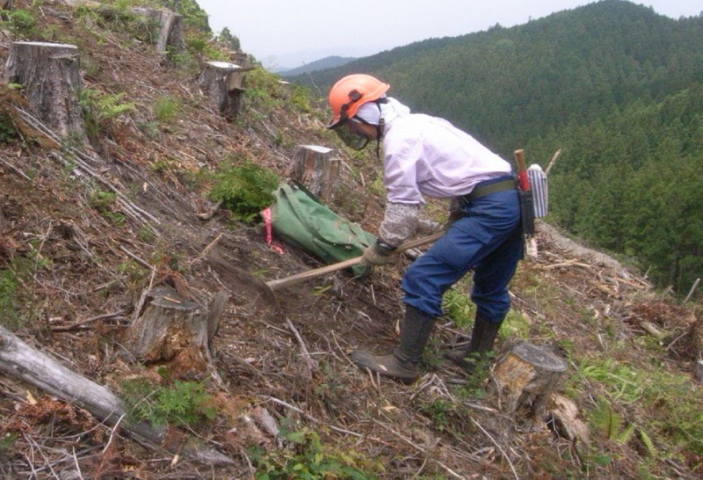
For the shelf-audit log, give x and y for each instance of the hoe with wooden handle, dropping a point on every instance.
(310, 274)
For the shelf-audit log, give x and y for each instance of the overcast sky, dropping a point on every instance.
(288, 33)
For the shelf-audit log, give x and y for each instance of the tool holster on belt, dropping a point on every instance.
(527, 212)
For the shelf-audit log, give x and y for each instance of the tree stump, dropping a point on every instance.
(177, 331)
(50, 75)
(315, 168)
(168, 32)
(224, 83)
(525, 377)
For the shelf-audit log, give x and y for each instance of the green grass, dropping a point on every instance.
(310, 459)
(166, 109)
(660, 410)
(15, 307)
(183, 403)
(245, 189)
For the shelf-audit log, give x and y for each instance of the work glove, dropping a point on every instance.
(377, 254)
(428, 227)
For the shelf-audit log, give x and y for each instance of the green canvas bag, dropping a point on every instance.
(299, 218)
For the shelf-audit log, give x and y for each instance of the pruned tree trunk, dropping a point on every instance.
(524, 378)
(168, 33)
(175, 330)
(19, 360)
(315, 168)
(50, 76)
(223, 83)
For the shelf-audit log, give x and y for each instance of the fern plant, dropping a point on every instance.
(100, 108)
(648, 443)
(607, 421)
(622, 381)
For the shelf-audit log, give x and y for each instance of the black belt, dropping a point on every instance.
(483, 189)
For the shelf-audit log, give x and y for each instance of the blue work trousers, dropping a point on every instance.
(488, 240)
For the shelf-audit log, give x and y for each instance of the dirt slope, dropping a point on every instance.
(73, 269)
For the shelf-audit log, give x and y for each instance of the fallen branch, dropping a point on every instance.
(420, 449)
(17, 171)
(568, 263)
(651, 329)
(79, 161)
(505, 455)
(83, 323)
(137, 259)
(19, 360)
(303, 347)
(310, 417)
(208, 215)
(204, 253)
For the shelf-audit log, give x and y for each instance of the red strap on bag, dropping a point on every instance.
(269, 232)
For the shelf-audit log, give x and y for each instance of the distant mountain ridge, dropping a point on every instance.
(322, 64)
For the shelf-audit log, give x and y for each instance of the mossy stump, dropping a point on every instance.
(175, 331)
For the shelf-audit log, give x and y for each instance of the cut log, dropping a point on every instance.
(315, 168)
(168, 33)
(176, 331)
(19, 360)
(223, 83)
(50, 76)
(524, 377)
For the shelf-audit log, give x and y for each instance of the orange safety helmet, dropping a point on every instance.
(350, 93)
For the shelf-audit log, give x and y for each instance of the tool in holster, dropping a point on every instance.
(527, 204)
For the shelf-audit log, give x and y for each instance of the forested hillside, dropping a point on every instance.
(613, 84)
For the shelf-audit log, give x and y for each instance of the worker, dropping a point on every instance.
(428, 156)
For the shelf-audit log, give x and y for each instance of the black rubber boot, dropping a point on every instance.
(403, 362)
(483, 336)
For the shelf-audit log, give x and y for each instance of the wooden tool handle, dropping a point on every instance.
(520, 160)
(522, 170)
(310, 274)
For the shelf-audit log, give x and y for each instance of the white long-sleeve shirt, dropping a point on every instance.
(427, 155)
